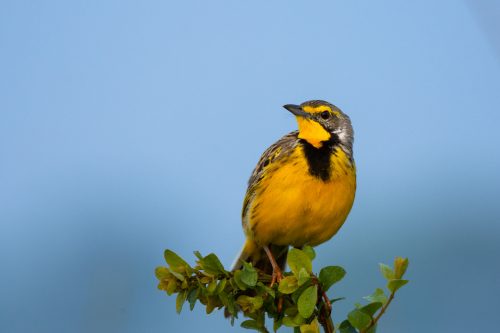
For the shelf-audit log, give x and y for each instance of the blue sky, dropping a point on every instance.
(127, 128)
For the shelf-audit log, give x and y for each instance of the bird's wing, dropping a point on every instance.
(276, 152)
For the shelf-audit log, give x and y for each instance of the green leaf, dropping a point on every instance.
(212, 303)
(221, 286)
(237, 280)
(192, 297)
(288, 321)
(251, 324)
(377, 296)
(250, 304)
(288, 285)
(263, 288)
(333, 300)
(228, 301)
(313, 327)
(298, 259)
(394, 285)
(303, 276)
(257, 302)
(371, 308)
(171, 286)
(176, 263)
(277, 324)
(330, 275)
(294, 321)
(296, 294)
(248, 275)
(291, 311)
(372, 329)
(309, 251)
(346, 327)
(307, 301)
(162, 273)
(179, 301)
(212, 265)
(205, 279)
(198, 255)
(387, 272)
(212, 286)
(178, 276)
(400, 266)
(359, 319)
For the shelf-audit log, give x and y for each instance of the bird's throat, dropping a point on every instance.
(312, 132)
(318, 160)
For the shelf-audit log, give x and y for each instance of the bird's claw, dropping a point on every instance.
(277, 277)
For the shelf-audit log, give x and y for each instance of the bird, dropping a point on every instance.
(301, 190)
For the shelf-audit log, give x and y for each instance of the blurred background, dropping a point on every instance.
(130, 127)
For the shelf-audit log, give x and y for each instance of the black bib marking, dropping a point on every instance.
(318, 159)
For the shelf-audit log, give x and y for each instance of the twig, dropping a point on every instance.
(325, 309)
(381, 312)
(326, 320)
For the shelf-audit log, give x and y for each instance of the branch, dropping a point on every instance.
(382, 311)
(299, 301)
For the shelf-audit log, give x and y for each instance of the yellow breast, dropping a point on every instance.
(290, 206)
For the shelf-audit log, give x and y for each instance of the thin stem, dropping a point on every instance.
(325, 309)
(326, 320)
(381, 312)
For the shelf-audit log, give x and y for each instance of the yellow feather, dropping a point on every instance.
(292, 207)
(312, 132)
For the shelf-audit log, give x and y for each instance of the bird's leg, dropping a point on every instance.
(277, 275)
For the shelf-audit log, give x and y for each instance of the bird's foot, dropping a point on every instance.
(277, 276)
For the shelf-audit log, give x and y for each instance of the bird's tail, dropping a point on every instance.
(251, 252)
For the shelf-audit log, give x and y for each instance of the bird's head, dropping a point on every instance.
(321, 122)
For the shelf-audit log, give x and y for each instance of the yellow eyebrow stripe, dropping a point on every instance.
(320, 108)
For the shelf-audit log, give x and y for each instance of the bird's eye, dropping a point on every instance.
(325, 115)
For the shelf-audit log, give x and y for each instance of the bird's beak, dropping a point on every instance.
(297, 110)
(309, 129)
